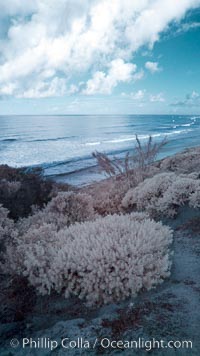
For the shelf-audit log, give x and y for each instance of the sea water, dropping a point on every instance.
(64, 144)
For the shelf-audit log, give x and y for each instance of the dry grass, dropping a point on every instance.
(134, 165)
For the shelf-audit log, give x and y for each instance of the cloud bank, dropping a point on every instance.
(191, 100)
(47, 48)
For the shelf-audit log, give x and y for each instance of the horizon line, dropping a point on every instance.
(175, 114)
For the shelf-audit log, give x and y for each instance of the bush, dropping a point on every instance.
(20, 189)
(163, 194)
(184, 162)
(108, 194)
(101, 261)
(10, 173)
(7, 234)
(7, 230)
(134, 165)
(124, 174)
(65, 209)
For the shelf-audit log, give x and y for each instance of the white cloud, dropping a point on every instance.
(157, 98)
(7, 89)
(138, 76)
(155, 18)
(191, 26)
(191, 100)
(185, 27)
(73, 89)
(15, 7)
(142, 96)
(139, 95)
(69, 37)
(153, 67)
(43, 89)
(102, 83)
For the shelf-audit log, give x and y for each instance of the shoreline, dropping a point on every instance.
(91, 175)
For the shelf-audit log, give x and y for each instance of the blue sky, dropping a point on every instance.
(99, 57)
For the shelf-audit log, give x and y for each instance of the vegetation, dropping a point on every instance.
(96, 244)
(20, 189)
(101, 261)
(163, 194)
(63, 210)
(135, 164)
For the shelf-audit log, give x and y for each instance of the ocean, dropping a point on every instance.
(63, 145)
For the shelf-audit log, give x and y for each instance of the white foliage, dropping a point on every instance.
(163, 194)
(195, 199)
(65, 209)
(7, 230)
(7, 234)
(101, 261)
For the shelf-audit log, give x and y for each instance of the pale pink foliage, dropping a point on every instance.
(163, 194)
(101, 261)
(65, 209)
(7, 230)
(184, 162)
(107, 198)
(8, 234)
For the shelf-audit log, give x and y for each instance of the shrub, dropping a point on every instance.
(7, 233)
(20, 189)
(65, 209)
(9, 188)
(6, 225)
(108, 194)
(124, 173)
(101, 261)
(10, 173)
(163, 194)
(194, 200)
(134, 165)
(183, 162)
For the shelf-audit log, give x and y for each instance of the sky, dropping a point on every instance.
(99, 57)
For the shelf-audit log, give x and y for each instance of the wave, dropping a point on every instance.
(71, 153)
(143, 137)
(194, 118)
(87, 161)
(9, 140)
(92, 143)
(51, 139)
(64, 162)
(108, 146)
(192, 123)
